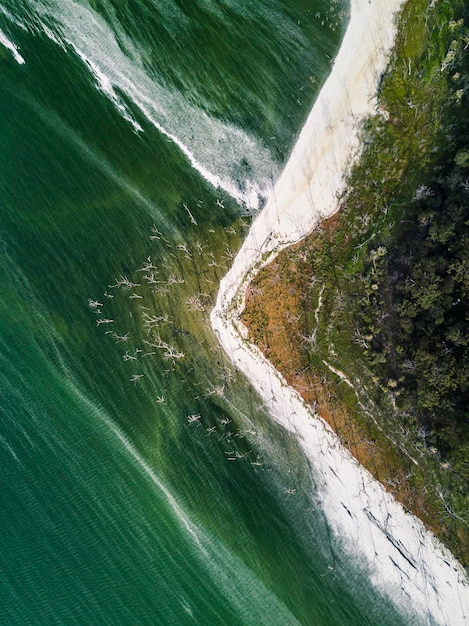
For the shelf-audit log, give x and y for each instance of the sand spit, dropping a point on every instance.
(405, 560)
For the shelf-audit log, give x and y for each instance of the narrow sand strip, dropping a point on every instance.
(405, 561)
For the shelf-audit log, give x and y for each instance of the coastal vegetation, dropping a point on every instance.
(368, 316)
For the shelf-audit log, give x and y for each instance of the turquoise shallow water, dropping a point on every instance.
(141, 481)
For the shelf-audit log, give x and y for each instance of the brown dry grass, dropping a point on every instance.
(274, 315)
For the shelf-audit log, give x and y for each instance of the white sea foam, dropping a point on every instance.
(12, 47)
(216, 149)
(405, 561)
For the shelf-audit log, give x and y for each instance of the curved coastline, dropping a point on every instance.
(405, 560)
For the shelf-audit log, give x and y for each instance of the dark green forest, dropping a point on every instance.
(417, 315)
(407, 282)
(413, 300)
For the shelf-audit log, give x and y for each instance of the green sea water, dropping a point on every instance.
(142, 481)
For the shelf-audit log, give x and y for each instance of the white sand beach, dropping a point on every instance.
(405, 561)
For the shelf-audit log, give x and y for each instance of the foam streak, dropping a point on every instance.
(12, 47)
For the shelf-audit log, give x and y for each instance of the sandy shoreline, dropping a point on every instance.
(406, 562)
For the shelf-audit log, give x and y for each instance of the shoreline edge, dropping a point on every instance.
(406, 562)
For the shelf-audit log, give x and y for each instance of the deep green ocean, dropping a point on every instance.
(142, 481)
